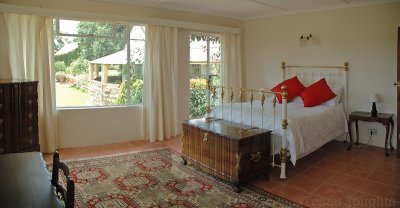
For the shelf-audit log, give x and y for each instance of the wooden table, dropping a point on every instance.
(230, 151)
(25, 182)
(385, 119)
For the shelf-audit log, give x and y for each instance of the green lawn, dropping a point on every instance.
(68, 96)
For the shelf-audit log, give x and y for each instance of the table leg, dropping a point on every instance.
(351, 137)
(387, 126)
(391, 133)
(397, 138)
(237, 187)
(184, 161)
(357, 133)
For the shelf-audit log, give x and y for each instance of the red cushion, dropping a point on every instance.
(294, 88)
(317, 93)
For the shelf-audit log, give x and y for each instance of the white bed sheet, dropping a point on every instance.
(309, 127)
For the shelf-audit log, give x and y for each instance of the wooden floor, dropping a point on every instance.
(329, 177)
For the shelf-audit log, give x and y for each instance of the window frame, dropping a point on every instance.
(208, 74)
(128, 66)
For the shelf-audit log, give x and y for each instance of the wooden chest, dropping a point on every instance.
(231, 151)
(18, 116)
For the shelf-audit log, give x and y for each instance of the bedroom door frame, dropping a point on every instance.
(398, 92)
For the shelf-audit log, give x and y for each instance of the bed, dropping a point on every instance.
(306, 129)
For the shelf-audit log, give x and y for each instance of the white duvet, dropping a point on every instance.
(309, 127)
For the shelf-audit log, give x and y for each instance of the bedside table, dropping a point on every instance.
(383, 118)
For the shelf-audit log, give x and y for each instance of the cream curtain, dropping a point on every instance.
(231, 60)
(28, 48)
(5, 72)
(160, 111)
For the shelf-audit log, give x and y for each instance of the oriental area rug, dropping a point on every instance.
(157, 178)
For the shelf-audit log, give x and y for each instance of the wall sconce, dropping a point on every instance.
(307, 37)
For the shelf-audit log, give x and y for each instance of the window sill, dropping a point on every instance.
(97, 107)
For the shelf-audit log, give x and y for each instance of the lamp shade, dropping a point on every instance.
(373, 98)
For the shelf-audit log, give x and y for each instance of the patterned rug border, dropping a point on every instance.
(110, 155)
(255, 189)
(246, 186)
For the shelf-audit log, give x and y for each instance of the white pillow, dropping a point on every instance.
(297, 99)
(338, 90)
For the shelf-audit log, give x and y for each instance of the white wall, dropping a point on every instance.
(366, 37)
(95, 126)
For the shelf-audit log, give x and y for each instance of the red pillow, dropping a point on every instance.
(317, 93)
(294, 88)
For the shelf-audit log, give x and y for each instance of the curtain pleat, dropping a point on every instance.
(160, 111)
(5, 72)
(230, 58)
(30, 54)
(45, 74)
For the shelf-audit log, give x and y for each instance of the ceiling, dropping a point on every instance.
(248, 9)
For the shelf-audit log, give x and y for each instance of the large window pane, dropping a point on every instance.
(67, 26)
(205, 65)
(99, 65)
(98, 29)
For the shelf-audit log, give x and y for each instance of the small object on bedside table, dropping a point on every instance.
(373, 98)
(385, 119)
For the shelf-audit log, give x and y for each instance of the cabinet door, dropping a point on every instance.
(6, 112)
(23, 123)
(33, 117)
(28, 122)
(14, 121)
(2, 119)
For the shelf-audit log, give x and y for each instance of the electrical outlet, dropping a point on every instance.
(372, 132)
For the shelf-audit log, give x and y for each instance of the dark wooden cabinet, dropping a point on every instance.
(230, 151)
(18, 116)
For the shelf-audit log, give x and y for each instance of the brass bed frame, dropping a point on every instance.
(239, 92)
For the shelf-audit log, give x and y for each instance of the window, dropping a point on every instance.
(98, 64)
(205, 64)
